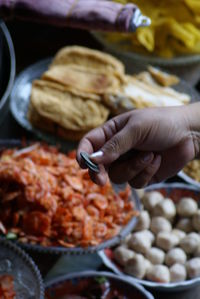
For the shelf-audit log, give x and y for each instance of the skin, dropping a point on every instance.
(162, 141)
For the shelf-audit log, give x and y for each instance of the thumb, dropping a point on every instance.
(118, 145)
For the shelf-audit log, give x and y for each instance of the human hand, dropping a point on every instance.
(163, 140)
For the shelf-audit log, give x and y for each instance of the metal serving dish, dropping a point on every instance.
(136, 290)
(7, 69)
(27, 279)
(78, 250)
(173, 191)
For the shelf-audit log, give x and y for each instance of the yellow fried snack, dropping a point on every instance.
(175, 28)
(66, 109)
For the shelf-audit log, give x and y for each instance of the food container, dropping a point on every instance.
(7, 69)
(185, 289)
(72, 280)
(17, 264)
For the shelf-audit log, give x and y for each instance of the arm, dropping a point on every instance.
(86, 14)
(162, 141)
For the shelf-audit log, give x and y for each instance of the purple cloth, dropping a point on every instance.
(86, 14)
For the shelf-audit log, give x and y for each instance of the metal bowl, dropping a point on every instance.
(174, 191)
(137, 291)
(7, 69)
(27, 279)
(78, 250)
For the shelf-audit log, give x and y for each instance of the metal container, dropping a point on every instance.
(7, 69)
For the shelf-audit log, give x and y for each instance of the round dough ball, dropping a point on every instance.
(136, 266)
(187, 207)
(126, 240)
(150, 199)
(166, 240)
(122, 255)
(190, 243)
(148, 234)
(155, 255)
(165, 208)
(159, 224)
(185, 224)
(177, 273)
(196, 220)
(193, 267)
(158, 273)
(197, 252)
(179, 233)
(175, 256)
(140, 242)
(148, 265)
(143, 222)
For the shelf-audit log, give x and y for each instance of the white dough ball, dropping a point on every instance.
(155, 255)
(187, 207)
(150, 199)
(179, 233)
(136, 266)
(197, 252)
(193, 267)
(165, 208)
(158, 273)
(190, 243)
(140, 242)
(177, 273)
(143, 221)
(166, 240)
(196, 220)
(185, 224)
(123, 254)
(175, 256)
(159, 224)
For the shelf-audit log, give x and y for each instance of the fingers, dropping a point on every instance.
(146, 176)
(121, 172)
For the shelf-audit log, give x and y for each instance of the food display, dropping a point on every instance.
(83, 87)
(165, 244)
(192, 169)
(47, 199)
(7, 290)
(170, 34)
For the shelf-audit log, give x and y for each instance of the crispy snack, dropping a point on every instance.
(47, 199)
(192, 169)
(7, 287)
(163, 78)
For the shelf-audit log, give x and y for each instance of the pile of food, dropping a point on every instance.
(46, 199)
(83, 87)
(165, 244)
(7, 287)
(192, 169)
(175, 28)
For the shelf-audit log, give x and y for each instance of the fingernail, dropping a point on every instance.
(97, 154)
(148, 157)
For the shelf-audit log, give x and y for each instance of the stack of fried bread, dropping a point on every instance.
(82, 87)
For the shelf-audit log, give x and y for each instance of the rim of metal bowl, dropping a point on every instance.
(77, 250)
(87, 274)
(12, 63)
(149, 284)
(181, 60)
(188, 179)
(28, 261)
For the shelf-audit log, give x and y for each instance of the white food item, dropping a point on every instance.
(190, 243)
(150, 199)
(196, 220)
(166, 240)
(179, 233)
(143, 222)
(166, 208)
(148, 264)
(159, 224)
(193, 267)
(126, 240)
(136, 266)
(156, 256)
(159, 273)
(177, 273)
(185, 224)
(140, 241)
(187, 207)
(175, 256)
(197, 252)
(123, 255)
